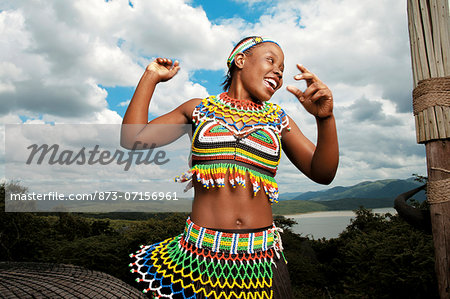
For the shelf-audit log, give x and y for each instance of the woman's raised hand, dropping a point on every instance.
(317, 98)
(163, 68)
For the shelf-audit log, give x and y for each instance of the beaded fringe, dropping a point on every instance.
(213, 175)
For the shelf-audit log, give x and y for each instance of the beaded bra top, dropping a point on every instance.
(237, 137)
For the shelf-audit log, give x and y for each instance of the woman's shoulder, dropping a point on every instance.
(281, 115)
(198, 103)
(276, 109)
(274, 106)
(188, 108)
(190, 105)
(194, 102)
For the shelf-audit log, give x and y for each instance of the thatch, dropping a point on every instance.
(44, 280)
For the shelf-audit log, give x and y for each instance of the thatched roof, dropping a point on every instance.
(42, 280)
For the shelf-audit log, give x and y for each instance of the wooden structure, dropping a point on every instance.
(429, 31)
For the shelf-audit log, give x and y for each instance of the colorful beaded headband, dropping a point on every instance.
(245, 45)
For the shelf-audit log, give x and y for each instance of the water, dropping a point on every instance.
(327, 224)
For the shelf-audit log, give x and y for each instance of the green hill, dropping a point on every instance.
(381, 189)
(355, 203)
(287, 207)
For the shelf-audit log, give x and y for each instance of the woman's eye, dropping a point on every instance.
(270, 59)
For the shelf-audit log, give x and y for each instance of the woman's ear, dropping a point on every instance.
(239, 60)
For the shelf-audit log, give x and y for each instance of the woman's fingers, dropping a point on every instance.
(300, 96)
(317, 91)
(175, 68)
(296, 92)
(164, 61)
(160, 60)
(321, 94)
(306, 103)
(317, 99)
(306, 75)
(164, 68)
(311, 89)
(302, 68)
(168, 64)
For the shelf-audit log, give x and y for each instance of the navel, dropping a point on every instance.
(238, 222)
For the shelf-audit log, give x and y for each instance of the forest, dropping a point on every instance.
(376, 256)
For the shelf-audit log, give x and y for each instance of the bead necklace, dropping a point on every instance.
(233, 112)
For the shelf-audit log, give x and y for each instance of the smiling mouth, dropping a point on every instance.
(271, 83)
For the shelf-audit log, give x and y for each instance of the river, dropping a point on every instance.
(328, 224)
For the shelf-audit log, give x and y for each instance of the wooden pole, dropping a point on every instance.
(429, 30)
(438, 161)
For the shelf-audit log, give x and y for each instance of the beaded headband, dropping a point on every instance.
(245, 45)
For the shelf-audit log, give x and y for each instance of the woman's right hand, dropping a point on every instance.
(163, 69)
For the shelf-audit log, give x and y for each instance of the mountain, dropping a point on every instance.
(287, 207)
(289, 195)
(381, 189)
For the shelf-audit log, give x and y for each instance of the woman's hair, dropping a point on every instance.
(229, 76)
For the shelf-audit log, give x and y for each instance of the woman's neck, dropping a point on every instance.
(238, 92)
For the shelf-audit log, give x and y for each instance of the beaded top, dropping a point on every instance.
(237, 137)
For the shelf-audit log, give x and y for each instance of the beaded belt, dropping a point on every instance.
(233, 243)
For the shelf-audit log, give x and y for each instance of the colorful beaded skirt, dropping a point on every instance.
(205, 263)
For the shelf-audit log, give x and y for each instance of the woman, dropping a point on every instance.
(230, 247)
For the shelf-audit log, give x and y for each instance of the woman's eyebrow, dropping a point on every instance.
(274, 54)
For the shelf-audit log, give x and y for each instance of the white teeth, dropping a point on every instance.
(271, 82)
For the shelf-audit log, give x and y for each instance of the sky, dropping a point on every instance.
(79, 61)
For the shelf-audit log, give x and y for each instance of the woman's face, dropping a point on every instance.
(262, 71)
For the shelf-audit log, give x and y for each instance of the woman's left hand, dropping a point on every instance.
(317, 98)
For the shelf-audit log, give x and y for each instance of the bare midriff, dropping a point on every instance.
(230, 208)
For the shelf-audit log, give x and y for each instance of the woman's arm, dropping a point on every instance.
(319, 162)
(136, 130)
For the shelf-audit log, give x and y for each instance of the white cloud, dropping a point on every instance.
(124, 103)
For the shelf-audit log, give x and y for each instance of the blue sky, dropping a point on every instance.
(79, 62)
(218, 10)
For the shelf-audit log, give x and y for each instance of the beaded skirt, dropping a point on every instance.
(205, 263)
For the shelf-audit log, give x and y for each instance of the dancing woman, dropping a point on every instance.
(230, 247)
